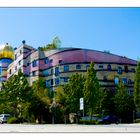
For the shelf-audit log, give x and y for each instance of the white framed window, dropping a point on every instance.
(100, 66)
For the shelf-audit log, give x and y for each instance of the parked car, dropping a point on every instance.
(109, 119)
(4, 118)
(88, 118)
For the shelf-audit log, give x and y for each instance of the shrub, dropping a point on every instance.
(88, 122)
(137, 121)
(12, 120)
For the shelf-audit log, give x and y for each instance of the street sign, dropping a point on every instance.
(81, 103)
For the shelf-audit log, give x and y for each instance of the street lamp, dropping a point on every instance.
(53, 110)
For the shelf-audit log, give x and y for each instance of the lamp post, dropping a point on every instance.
(53, 109)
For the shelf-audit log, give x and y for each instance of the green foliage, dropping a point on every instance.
(60, 98)
(137, 121)
(49, 46)
(107, 102)
(12, 120)
(89, 122)
(124, 104)
(24, 102)
(73, 91)
(60, 95)
(91, 91)
(15, 94)
(137, 87)
(39, 103)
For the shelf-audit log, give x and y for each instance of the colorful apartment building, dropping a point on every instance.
(57, 65)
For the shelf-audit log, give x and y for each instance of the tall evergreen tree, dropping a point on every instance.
(91, 90)
(137, 87)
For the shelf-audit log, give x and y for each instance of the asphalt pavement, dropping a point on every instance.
(69, 128)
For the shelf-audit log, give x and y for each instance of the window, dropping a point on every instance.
(46, 60)
(57, 81)
(87, 67)
(120, 70)
(34, 73)
(108, 67)
(0, 79)
(129, 81)
(34, 63)
(78, 67)
(15, 56)
(66, 68)
(0, 70)
(116, 80)
(47, 83)
(126, 69)
(51, 60)
(20, 51)
(45, 73)
(133, 70)
(10, 71)
(28, 64)
(124, 80)
(15, 68)
(57, 71)
(65, 79)
(51, 82)
(19, 63)
(100, 66)
(52, 71)
(105, 78)
(60, 61)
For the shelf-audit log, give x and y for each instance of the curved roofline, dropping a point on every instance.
(105, 53)
(68, 49)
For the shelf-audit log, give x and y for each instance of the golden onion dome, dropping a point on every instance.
(6, 51)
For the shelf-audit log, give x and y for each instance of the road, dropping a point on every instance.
(15, 128)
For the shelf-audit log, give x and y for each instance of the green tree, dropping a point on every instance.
(15, 93)
(91, 90)
(137, 87)
(124, 104)
(39, 103)
(60, 98)
(73, 91)
(107, 102)
(51, 46)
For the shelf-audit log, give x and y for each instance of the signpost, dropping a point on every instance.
(82, 105)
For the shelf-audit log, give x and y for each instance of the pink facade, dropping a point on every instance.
(35, 62)
(81, 56)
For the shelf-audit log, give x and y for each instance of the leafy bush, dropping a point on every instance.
(137, 121)
(88, 122)
(12, 120)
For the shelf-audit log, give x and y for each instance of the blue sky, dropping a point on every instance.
(113, 29)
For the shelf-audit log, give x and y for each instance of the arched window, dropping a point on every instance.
(126, 69)
(46, 60)
(108, 67)
(119, 70)
(116, 80)
(34, 63)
